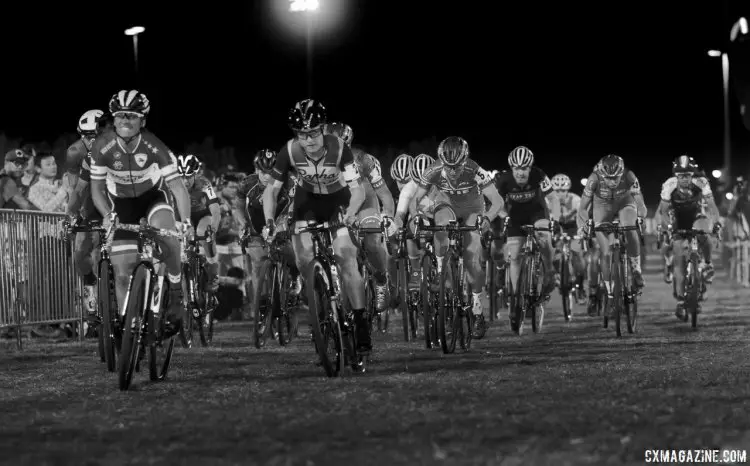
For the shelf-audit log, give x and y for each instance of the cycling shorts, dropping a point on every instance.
(319, 207)
(132, 209)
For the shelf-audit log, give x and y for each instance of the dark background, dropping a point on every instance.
(572, 82)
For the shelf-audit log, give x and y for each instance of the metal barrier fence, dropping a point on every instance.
(737, 241)
(38, 283)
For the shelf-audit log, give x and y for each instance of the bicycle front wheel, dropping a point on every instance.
(324, 320)
(447, 308)
(108, 310)
(265, 299)
(137, 303)
(159, 352)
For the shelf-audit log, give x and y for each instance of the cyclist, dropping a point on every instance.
(614, 192)
(129, 170)
(463, 182)
(687, 202)
(78, 166)
(204, 212)
(327, 181)
(251, 189)
(369, 215)
(408, 208)
(527, 192)
(569, 203)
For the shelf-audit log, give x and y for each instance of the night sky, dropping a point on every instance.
(571, 82)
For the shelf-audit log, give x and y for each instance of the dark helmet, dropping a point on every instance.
(341, 130)
(684, 164)
(306, 115)
(264, 160)
(611, 166)
(453, 151)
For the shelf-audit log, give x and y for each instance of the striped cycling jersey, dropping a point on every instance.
(202, 195)
(466, 189)
(627, 186)
(129, 174)
(327, 175)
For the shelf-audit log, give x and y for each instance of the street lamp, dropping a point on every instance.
(134, 31)
(307, 7)
(725, 74)
(584, 181)
(716, 174)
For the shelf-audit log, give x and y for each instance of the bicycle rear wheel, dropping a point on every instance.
(286, 318)
(137, 303)
(425, 298)
(107, 311)
(536, 270)
(617, 286)
(206, 305)
(324, 320)
(491, 270)
(565, 287)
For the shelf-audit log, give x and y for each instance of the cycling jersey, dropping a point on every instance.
(569, 203)
(626, 188)
(78, 162)
(687, 204)
(131, 174)
(525, 204)
(202, 195)
(325, 176)
(371, 178)
(252, 190)
(465, 190)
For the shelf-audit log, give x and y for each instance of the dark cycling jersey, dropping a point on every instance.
(202, 195)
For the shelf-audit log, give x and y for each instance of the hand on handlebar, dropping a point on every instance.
(391, 227)
(269, 231)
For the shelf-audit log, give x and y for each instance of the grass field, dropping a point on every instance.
(574, 394)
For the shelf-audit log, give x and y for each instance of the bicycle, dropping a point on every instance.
(568, 286)
(106, 321)
(496, 272)
(368, 271)
(624, 291)
(272, 302)
(331, 325)
(452, 306)
(410, 302)
(146, 295)
(694, 284)
(201, 302)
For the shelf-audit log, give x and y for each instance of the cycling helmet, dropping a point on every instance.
(684, 164)
(521, 157)
(88, 124)
(129, 102)
(264, 160)
(453, 151)
(611, 166)
(401, 168)
(306, 115)
(561, 181)
(188, 165)
(341, 130)
(419, 166)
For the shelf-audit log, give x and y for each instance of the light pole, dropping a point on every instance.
(308, 8)
(134, 31)
(725, 74)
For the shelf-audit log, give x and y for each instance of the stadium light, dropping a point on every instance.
(716, 174)
(729, 196)
(584, 181)
(714, 53)
(303, 5)
(134, 31)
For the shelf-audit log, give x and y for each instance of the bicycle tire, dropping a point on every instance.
(263, 303)
(446, 307)
(329, 329)
(137, 302)
(107, 304)
(693, 281)
(425, 294)
(402, 281)
(491, 269)
(186, 331)
(285, 324)
(537, 311)
(565, 287)
(206, 306)
(158, 365)
(630, 303)
(522, 301)
(615, 278)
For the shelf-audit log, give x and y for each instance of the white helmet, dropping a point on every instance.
(88, 124)
(561, 181)
(401, 168)
(521, 157)
(419, 166)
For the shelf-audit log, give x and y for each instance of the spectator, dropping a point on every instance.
(30, 174)
(48, 194)
(11, 196)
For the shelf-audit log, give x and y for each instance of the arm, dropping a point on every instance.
(635, 190)
(663, 212)
(497, 204)
(386, 199)
(404, 199)
(182, 198)
(270, 198)
(77, 195)
(99, 196)
(52, 204)
(215, 216)
(357, 199)
(588, 193)
(553, 202)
